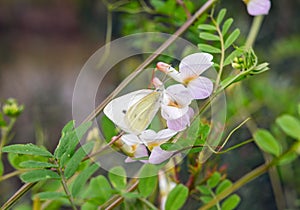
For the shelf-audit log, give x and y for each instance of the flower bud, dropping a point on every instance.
(161, 66)
(11, 108)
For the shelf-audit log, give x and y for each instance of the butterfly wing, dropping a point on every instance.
(140, 114)
(118, 107)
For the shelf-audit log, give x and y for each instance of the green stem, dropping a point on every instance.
(222, 54)
(66, 189)
(254, 31)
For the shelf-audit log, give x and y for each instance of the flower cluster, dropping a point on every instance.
(134, 112)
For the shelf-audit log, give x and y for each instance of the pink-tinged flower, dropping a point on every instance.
(175, 107)
(190, 69)
(182, 122)
(152, 140)
(258, 7)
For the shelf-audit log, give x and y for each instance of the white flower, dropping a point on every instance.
(152, 141)
(189, 70)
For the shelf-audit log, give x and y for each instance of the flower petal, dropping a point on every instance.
(141, 151)
(130, 139)
(258, 7)
(162, 135)
(195, 64)
(178, 94)
(159, 155)
(201, 87)
(171, 112)
(182, 122)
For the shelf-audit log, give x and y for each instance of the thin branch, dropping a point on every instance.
(17, 195)
(116, 200)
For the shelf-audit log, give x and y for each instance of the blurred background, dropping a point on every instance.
(44, 44)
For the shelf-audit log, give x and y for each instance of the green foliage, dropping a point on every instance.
(98, 191)
(117, 177)
(214, 180)
(50, 195)
(39, 175)
(267, 142)
(177, 197)
(213, 187)
(217, 33)
(69, 140)
(27, 149)
(231, 202)
(108, 128)
(82, 178)
(75, 160)
(290, 125)
(147, 183)
(37, 164)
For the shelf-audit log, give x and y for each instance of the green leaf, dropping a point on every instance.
(214, 180)
(221, 16)
(82, 178)
(204, 190)
(287, 158)
(130, 195)
(147, 184)
(117, 177)
(108, 128)
(208, 48)
(205, 199)
(267, 142)
(226, 26)
(207, 27)
(36, 164)
(63, 141)
(100, 189)
(290, 125)
(38, 175)
(50, 195)
(89, 206)
(223, 186)
(209, 37)
(28, 149)
(168, 146)
(73, 139)
(298, 109)
(177, 197)
(231, 38)
(74, 162)
(231, 202)
(68, 127)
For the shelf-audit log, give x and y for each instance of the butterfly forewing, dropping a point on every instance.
(139, 115)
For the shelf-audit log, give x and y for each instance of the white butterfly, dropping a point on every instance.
(134, 111)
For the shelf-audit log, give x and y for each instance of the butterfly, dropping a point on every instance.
(133, 112)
